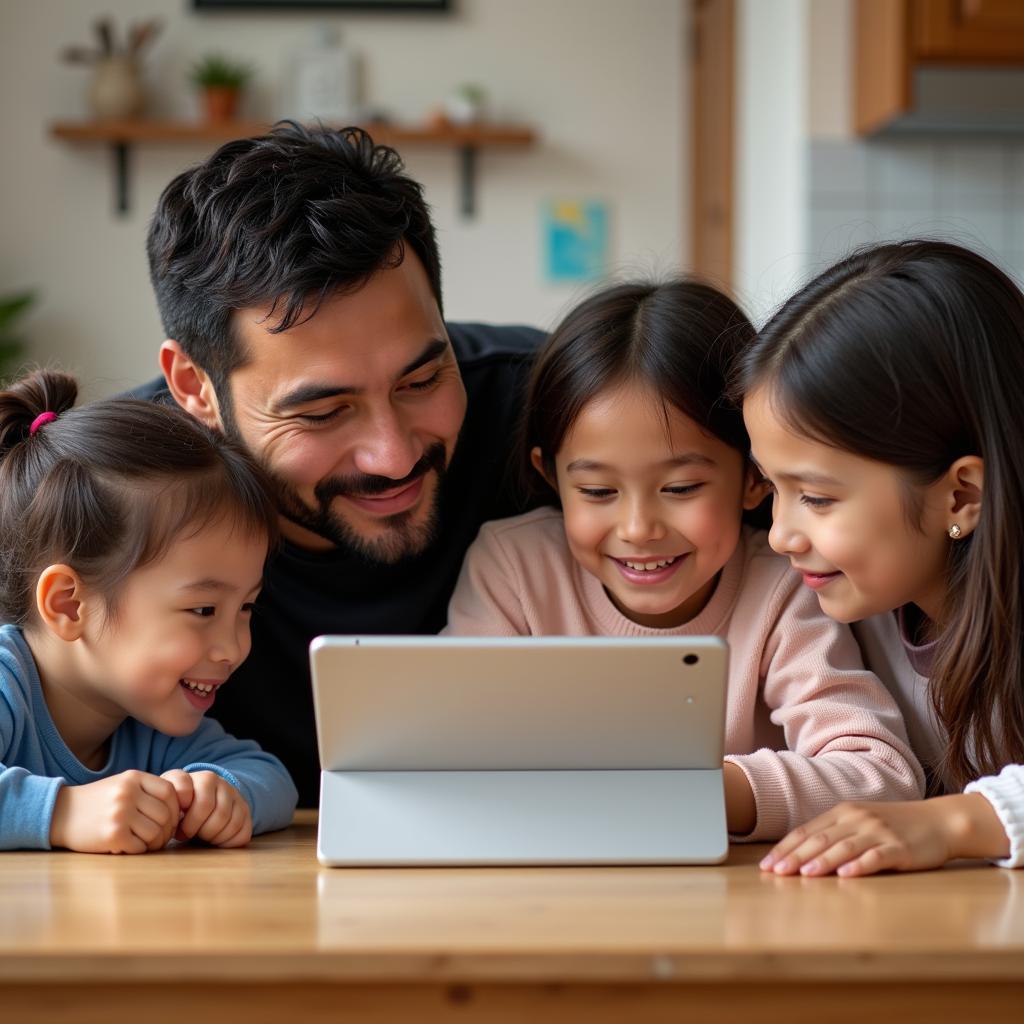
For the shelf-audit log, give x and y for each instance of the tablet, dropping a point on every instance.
(526, 750)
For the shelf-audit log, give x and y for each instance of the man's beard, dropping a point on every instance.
(399, 538)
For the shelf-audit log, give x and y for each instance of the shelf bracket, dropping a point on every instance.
(467, 181)
(120, 151)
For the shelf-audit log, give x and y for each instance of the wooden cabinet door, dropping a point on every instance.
(883, 65)
(977, 31)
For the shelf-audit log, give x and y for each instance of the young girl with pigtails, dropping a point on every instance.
(132, 544)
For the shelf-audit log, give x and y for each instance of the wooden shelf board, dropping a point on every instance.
(120, 135)
(143, 130)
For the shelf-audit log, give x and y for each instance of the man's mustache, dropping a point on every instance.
(364, 485)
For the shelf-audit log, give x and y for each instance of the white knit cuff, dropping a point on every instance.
(1005, 792)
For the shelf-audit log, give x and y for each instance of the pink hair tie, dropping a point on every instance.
(43, 417)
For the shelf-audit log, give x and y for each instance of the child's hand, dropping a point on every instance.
(215, 811)
(128, 813)
(862, 838)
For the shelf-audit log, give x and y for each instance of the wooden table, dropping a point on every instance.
(266, 935)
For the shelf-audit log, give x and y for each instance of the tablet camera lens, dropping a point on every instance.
(690, 659)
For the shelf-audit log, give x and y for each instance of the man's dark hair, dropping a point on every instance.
(287, 219)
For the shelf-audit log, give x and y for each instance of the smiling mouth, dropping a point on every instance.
(817, 580)
(649, 571)
(648, 565)
(200, 693)
(197, 686)
(390, 502)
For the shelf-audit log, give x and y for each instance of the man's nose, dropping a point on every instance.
(388, 447)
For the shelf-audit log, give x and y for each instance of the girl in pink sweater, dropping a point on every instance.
(884, 403)
(627, 425)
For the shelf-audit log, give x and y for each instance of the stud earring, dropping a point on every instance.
(955, 531)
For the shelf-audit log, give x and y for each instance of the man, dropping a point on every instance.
(298, 281)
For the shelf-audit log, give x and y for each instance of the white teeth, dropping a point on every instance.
(204, 688)
(648, 566)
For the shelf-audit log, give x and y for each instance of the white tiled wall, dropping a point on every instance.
(968, 191)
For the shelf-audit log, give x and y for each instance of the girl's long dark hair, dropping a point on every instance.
(912, 354)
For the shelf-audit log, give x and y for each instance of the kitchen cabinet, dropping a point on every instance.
(897, 40)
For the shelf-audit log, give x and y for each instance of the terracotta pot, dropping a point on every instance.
(220, 104)
(116, 89)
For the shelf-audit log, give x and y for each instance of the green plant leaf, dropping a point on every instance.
(216, 70)
(10, 358)
(12, 307)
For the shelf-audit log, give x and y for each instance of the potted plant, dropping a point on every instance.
(12, 308)
(220, 81)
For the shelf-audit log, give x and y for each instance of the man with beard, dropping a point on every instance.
(298, 281)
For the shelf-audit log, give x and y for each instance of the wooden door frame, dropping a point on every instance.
(712, 25)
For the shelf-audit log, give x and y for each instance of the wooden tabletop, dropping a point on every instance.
(270, 912)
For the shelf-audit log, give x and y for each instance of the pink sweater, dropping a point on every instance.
(807, 724)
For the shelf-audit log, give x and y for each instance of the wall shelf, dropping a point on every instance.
(121, 135)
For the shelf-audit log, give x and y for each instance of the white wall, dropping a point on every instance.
(830, 69)
(602, 80)
(771, 138)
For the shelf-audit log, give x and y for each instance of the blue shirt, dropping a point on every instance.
(35, 762)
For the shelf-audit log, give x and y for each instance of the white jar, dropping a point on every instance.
(324, 81)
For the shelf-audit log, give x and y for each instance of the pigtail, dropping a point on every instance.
(22, 404)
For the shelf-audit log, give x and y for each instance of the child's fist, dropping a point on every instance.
(215, 812)
(128, 813)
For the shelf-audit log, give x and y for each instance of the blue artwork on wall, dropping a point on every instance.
(575, 240)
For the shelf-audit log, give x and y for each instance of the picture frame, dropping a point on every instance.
(406, 6)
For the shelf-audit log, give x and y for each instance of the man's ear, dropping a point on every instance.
(190, 386)
(963, 486)
(537, 461)
(59, 601)
(755, 488)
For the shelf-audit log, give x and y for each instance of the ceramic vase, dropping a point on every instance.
(116, 89)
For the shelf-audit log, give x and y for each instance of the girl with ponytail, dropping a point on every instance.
(132, 544)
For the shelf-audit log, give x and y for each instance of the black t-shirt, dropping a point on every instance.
(306, 593)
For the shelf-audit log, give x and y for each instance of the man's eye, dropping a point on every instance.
(423, 385)
(205, 611)
(321, 418)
